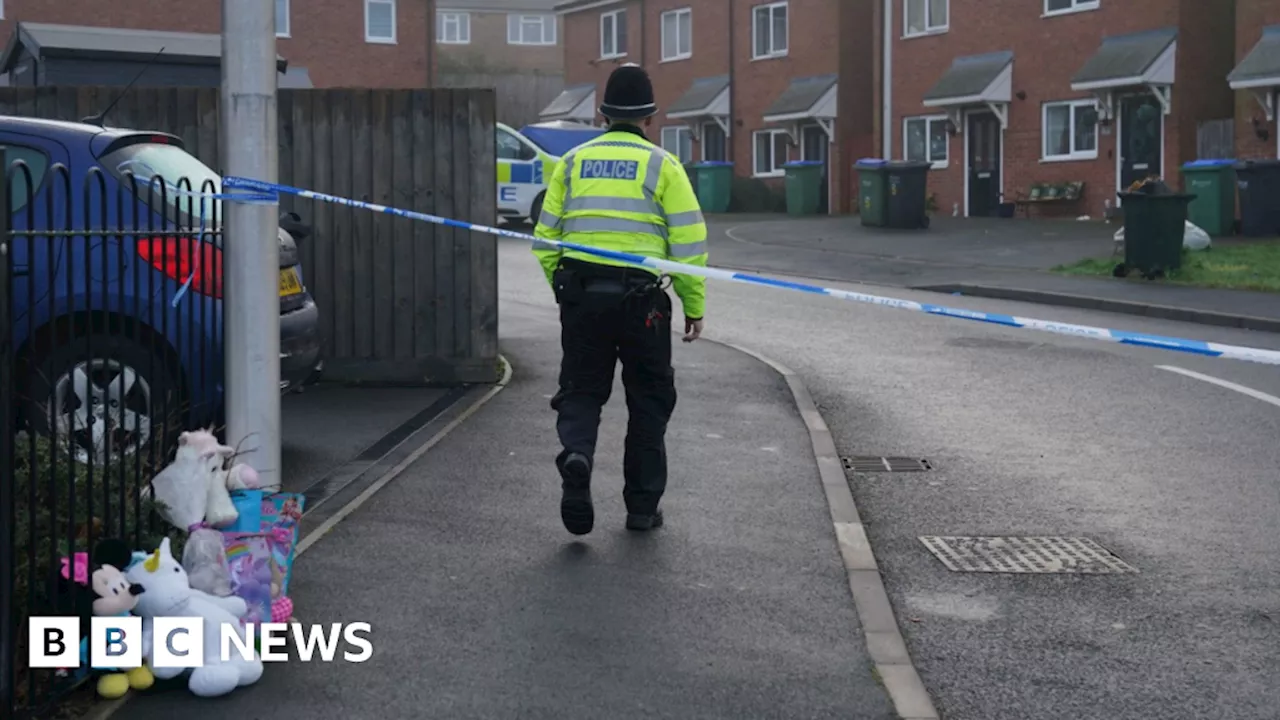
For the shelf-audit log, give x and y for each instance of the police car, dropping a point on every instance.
(526, 159)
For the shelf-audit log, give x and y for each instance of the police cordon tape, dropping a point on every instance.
(248, 190)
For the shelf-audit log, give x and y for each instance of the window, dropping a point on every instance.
(713, 142)
(37, 164)
(769, 28)
(923, 17)
(282, 18)
(770, 152)
(1070, 130)
(510, 148)
(677, 34)
(453, 28)
(678, 141)
(380, 21)
(1057, 7)
(925, 139)
(531, 29)
(613, 34)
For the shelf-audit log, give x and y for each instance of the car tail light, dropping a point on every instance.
(177, 257)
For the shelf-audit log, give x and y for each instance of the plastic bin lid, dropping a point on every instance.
(1258, 163)
(910, 165)
(1208, 164)
(802, 163)
(871, 162)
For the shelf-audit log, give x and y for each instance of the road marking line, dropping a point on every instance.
(1255, 394)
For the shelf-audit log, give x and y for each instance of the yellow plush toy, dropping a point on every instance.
(117, 597)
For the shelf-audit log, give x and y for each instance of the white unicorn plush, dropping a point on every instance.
(168, 594)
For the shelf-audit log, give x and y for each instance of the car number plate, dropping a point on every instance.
(289, 283)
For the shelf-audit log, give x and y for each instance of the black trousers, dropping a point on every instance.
(608, 314)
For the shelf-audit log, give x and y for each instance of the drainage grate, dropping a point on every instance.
(1074, 555)
(869, 463)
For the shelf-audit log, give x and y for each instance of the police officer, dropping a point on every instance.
(619, 192)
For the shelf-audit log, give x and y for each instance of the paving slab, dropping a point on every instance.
(484, 607)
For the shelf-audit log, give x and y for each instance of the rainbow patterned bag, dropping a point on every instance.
(254, 573)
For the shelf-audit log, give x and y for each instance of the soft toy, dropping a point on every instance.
(168, 594)
(116, 597)
(202, 447)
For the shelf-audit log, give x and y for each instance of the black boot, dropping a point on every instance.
(576, 511)
(636, 521)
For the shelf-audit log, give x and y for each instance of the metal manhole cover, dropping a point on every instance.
(871, 463)
(1075, 555)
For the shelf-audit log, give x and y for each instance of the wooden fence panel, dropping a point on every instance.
(1215, 139)
(401, 302)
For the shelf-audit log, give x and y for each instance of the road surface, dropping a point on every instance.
(1169, 461)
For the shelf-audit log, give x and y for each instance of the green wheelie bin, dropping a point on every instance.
(1154, 226)
(713, 182)
(872, 199)
(804, 187)
(1213, 182)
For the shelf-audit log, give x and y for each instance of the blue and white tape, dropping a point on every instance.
(256, 191)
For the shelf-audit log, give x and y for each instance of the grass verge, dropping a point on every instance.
(1233, 266)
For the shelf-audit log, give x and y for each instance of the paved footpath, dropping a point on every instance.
(484, 607)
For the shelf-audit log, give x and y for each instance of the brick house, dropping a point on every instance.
(1256, 77)
(498, 36)
(339, 43)
(752, 82)
(1002, 94)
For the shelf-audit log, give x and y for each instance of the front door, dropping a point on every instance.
(1141, 141)
(813, 146)
(984, 164)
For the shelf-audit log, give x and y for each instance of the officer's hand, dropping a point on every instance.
(692, 330)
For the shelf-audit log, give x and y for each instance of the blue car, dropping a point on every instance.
(120, 333)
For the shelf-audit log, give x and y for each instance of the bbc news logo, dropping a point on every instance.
(179, 642)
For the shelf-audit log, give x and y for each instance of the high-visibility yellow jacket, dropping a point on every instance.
(621, 192)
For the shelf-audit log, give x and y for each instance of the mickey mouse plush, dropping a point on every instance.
(116, 597)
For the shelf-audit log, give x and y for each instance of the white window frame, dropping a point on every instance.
(776, 162)
(930, 27)
(768, 10)
(282, 28)
(683, 134)
(515, 29)
(678, 14)
(380, 40)
(928, 121)
(1075, 7)
(461, 21)
(1072, 153)
(614, 14)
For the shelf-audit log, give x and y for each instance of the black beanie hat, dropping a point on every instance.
(629, 94)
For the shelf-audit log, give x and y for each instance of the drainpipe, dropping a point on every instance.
(731, 136)
(431, 45)
(886, 85)
(643, 24)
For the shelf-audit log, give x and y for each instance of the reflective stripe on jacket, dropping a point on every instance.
(621, 192)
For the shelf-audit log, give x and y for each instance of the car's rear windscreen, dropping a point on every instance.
(183, 177)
